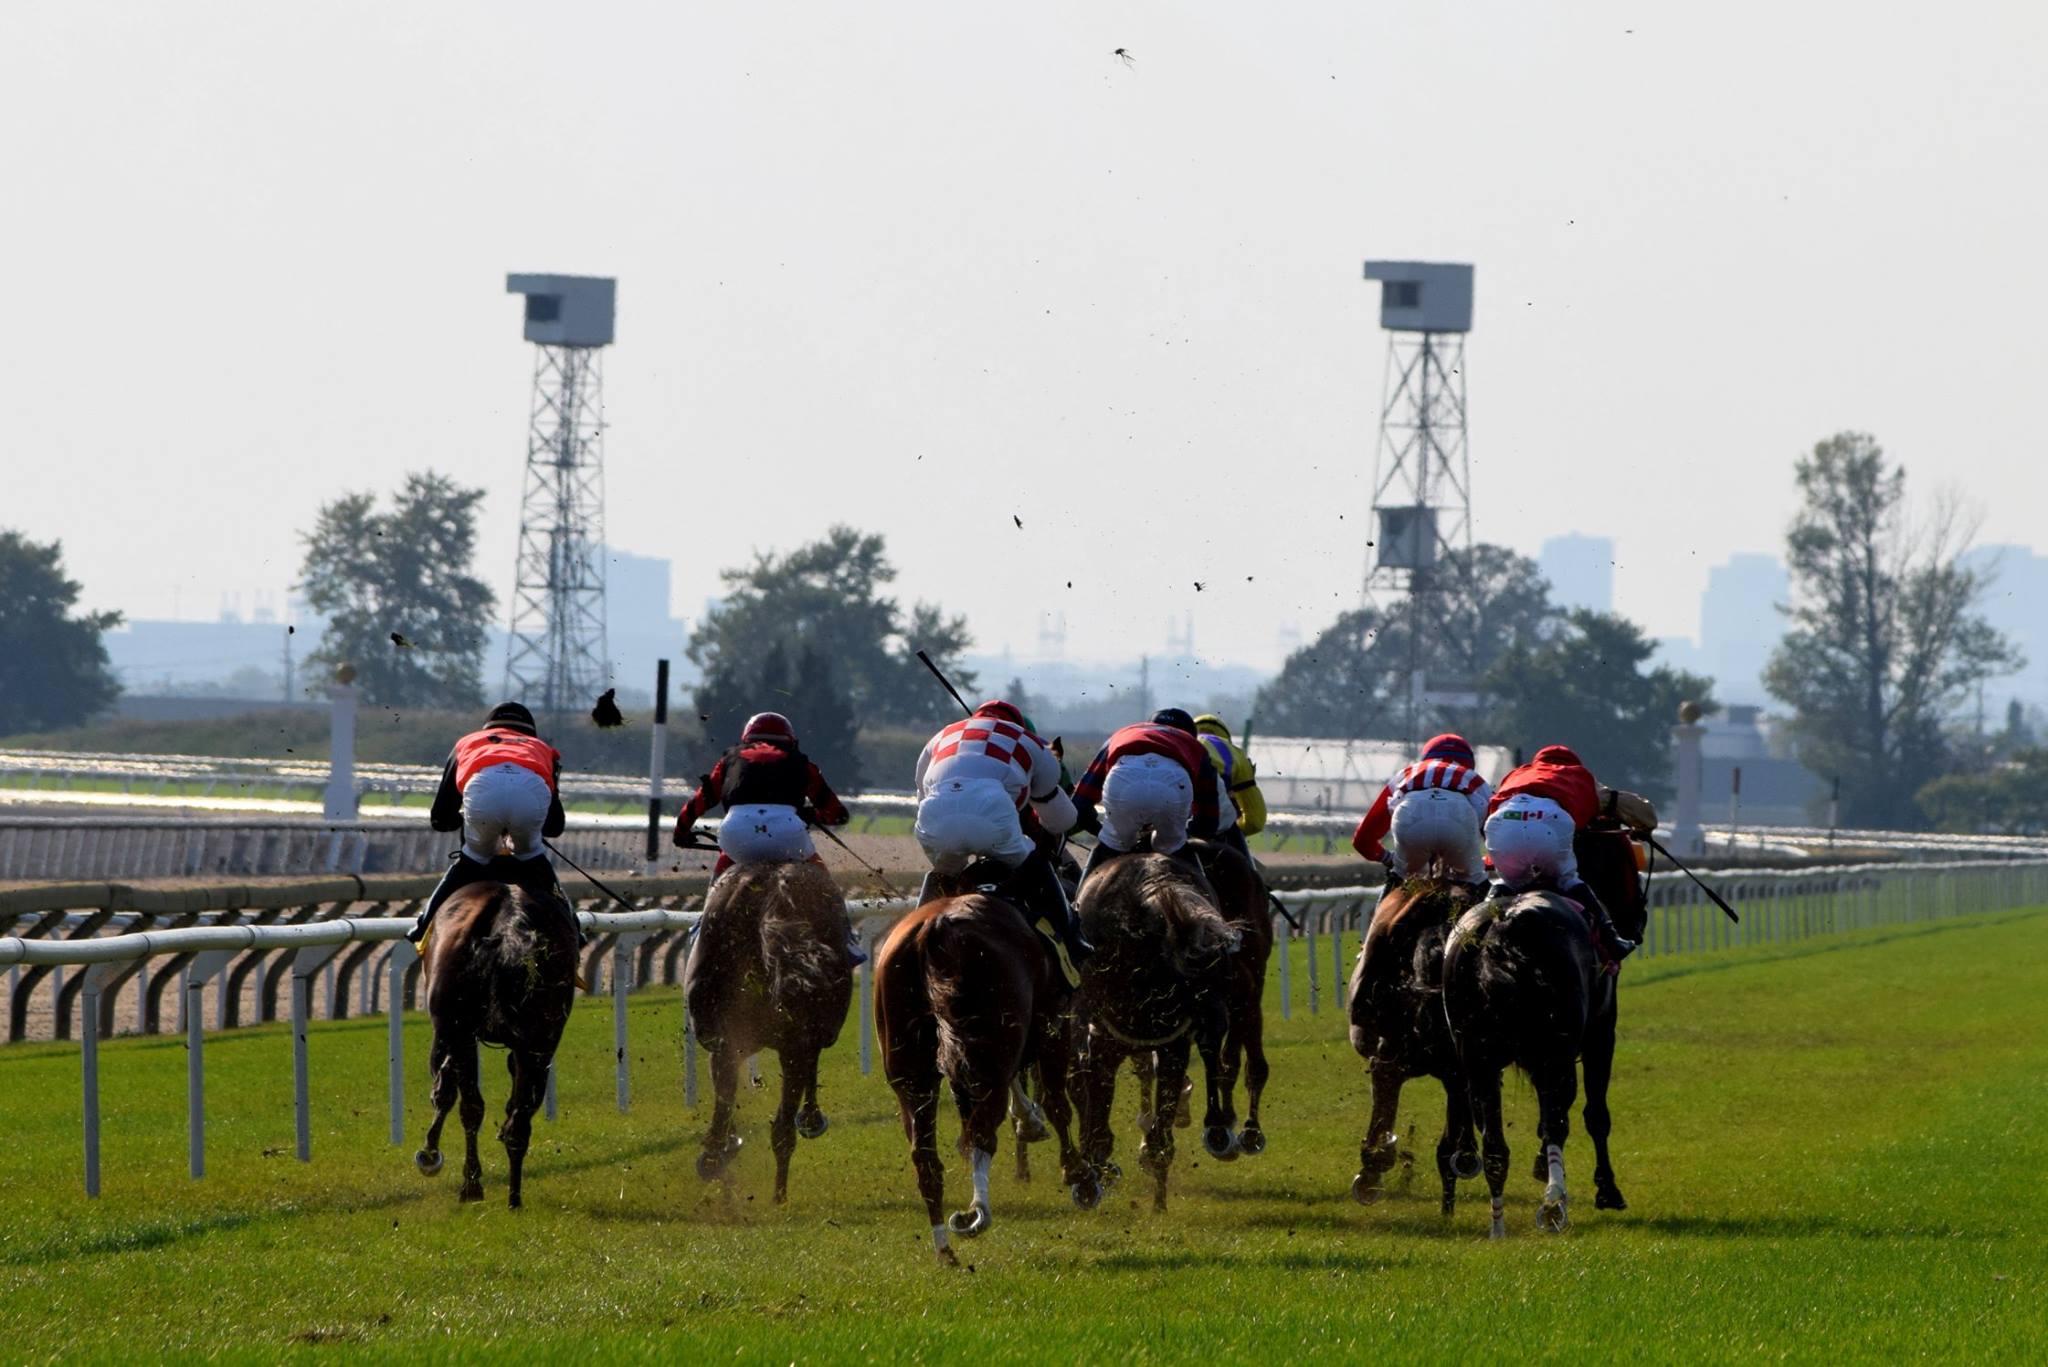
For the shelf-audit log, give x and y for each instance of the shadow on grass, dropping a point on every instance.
(1286, 1260)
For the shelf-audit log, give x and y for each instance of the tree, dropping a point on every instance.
(1354, 679)
(397, 588)
(53, 665)
(1884, 645)
(2010, 798)
(1585, 686)
(826, 596)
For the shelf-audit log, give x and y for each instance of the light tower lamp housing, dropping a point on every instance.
(566, 310)
(1423, 296)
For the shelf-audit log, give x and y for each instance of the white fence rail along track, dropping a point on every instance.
(84, 946)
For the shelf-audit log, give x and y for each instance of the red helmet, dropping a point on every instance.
(768, 726)
(1001, 711)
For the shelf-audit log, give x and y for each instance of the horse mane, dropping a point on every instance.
(1140, 886)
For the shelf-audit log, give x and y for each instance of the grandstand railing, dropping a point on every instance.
(83, 949)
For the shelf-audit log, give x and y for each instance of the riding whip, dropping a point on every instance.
(556, 851)
(1712, 896)
(880, 877)
(1281, 907)
(945, 683)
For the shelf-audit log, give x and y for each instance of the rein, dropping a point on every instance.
(1119, 1035)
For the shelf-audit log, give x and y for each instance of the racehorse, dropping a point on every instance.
(501, 969)
(768, 970)
(967, 991)
(1158, 981)
(1398, 1027)
(1241, 896)
(1607, 861)
(1521, 986)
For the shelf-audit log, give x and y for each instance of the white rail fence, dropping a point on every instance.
(307, 937)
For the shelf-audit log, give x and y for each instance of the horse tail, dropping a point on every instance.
(803, 936)
(948, 969)
(1197, 935)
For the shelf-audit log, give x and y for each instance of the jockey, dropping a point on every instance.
(1152, 774)
(1433, 809)
(1535, 815)
(1240, 783)
(500, 782)
(974, 781)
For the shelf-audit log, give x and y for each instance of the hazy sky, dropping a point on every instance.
(921, 267)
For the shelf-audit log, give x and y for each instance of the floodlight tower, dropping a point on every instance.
(557, 655)
(1422, 477)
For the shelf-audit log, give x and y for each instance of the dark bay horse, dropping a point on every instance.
(768, 970)
(1158, 982)
(1521, 987)
(966, 991)
(1241, 895)
(1398, 1027)
(501, 969)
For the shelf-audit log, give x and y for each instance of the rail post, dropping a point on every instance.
(1286, 951)
(89, 1069)
(204, 965)
(306, 963)
(865, 990)
(622, 983)
(403, 956)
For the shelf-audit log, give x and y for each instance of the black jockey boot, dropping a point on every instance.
(1038, 882)
(1612, 945)
(1097, 857)
(462, 871)
(546, 882)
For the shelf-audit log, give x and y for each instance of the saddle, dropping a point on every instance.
(1498, 909)
(998, 880)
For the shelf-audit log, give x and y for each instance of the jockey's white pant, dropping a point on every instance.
(763, 833)
(505, 801)
(1529, 840)
(1435, 823)
(964, 819)
(1146, 790)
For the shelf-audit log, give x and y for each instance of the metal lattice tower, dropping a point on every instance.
(1422, 476)
(557, 656)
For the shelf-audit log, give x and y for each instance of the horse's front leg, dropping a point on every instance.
(1218, 1137)
(782, 1129)
(1055, 1058)
(1100, 1060)
(1483, 1086)
(1556, 1088)
(1457, 1150)
(1252, 1026)
(1599, 1062)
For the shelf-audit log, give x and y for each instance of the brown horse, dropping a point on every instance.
(1242, 897)
(1398, 1027)
(768, 970)
(966, 990)
(1159, 981)
(501, 969)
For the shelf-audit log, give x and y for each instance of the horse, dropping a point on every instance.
(501, 969)
(967, 991)
(768, 970)
(1398, 1027)
(1158, 981)
(1242, 897)
(1521, 986)
(1607, 861)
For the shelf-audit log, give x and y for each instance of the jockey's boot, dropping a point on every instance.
(1038, 881)
(1233, 836)
(462, 871)
(537, 875)
(1613, 948)
(930, 890)
(1097, 857)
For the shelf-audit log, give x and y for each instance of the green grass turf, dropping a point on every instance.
(1832, 1150)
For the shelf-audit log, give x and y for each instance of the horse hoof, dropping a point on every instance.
(1110, 1173)
(471, 1191)
(513, 1202)
(1499, 1230)
(1251, 1141)
(710, 1165)
(1364, 1190)
(1608, 1197)
(1144, 1122)
(1221, 1144)
(811, 1123)
(969, 1223)
(429, 1162)
(1465, 1166)
(947, 1258)
(1553, 1217)
(1087, 1194)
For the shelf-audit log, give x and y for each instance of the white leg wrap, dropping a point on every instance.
(1555, 1191)
(1500, 1222)
(941, 1240)
(980, 1163)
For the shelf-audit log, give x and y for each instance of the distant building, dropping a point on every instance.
(638, 625)
(1740, 624)
(172, 657)
(1580, 570)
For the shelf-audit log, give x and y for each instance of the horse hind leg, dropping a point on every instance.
(919, 1100)
(720, 1143)
(529, 1088)
(983, 1104)
(1156, 1152)
(446, 1087)
(472, 1120)
(1219, 1136)
(810, 1119)
(1599, 1064)
(1054, 1060)
(1252, 1138)
(1377, 1152)
(782, 1129)
(1457, 1151)
(1554, 1094)
(1485, 1095)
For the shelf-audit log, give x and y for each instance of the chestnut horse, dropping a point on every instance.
(1159, 981)
(965, 990)
(1398, 1027)
(768, 970)
(501, 969)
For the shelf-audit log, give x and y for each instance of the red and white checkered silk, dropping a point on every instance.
(984, 748)
(1435, 773)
